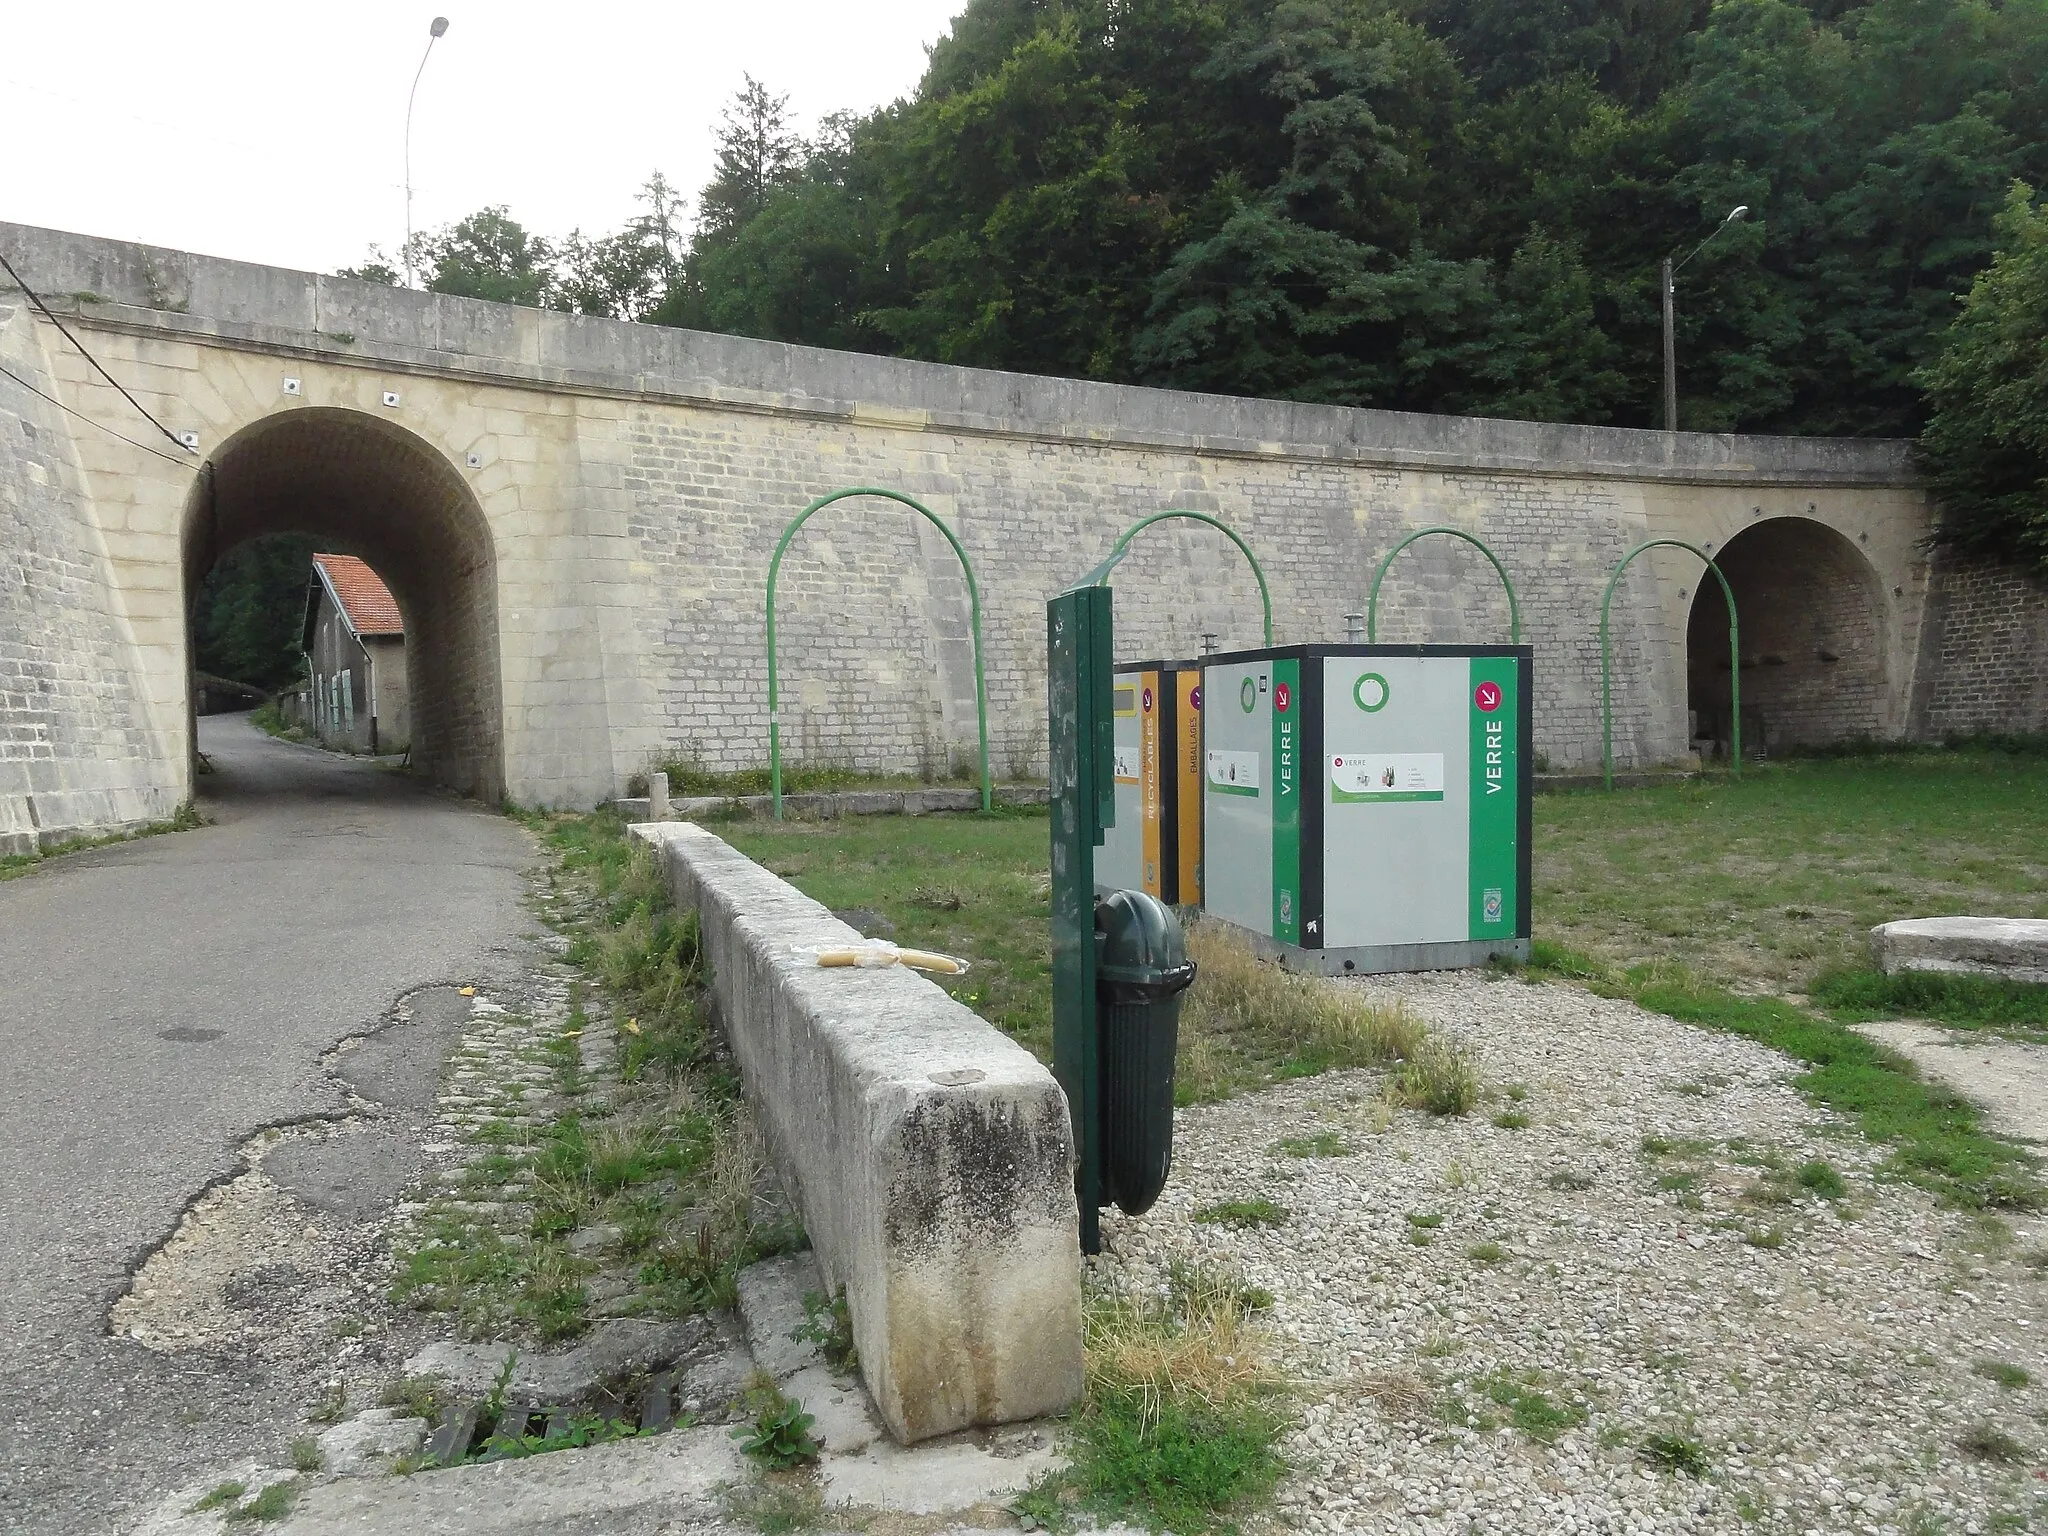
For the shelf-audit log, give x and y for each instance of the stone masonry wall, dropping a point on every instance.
(75, 753)
(1984, 662)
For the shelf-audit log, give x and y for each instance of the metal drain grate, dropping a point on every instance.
(468, 1430)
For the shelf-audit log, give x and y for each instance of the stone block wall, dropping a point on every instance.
(1984, 651)
(76, 753)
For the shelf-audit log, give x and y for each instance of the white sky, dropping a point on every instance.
(275, 132)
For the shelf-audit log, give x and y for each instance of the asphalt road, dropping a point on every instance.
(324, 890)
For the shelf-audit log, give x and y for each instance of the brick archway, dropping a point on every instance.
(371, 488)
(1813, 652)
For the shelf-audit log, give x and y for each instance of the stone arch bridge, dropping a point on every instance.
(576, 516)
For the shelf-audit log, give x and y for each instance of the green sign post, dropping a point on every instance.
(1079, 645)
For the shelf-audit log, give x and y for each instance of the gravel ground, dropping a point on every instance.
(1493, 1323)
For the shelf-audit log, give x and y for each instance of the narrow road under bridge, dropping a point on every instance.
(161, 1001)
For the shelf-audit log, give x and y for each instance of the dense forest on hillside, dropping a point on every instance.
(1434, 205)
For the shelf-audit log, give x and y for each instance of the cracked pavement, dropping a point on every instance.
(163, 1000)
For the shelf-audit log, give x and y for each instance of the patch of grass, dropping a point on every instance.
(1425, 1219)
(1764, 1237)
(1987, 1442)
(1570, 1181)
(778, 1506)
(1677, 1453)
(419, 1396)
(1820, 1177)
(1243, 1213)
(268, 718)
(1959, 1001)
(1182, 1420)
(1321, 1144)
(1511, 1120)
(2004, 1372)
(222, 1496)
(273, 1503)
(1778, 877)
(1935, 1133)
(307, 1455)
(1486, 1253)
(689, 776)
(330, 1407)
(1517, 1091)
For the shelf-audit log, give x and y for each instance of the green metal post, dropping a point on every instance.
(1372, 601)
(974, 617)
(1099, 577)
(1607, 671)
(1082, 802)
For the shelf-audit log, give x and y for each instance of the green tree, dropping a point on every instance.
(625, 275)
(488, 255)
(248, 618)
(1986, 443)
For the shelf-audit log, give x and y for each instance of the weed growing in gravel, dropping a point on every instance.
(1515, 1398)
(1987, 1442)
(2004, 1372)
(221, 1496)
(1677, 1453)
(1486, 1253)
(1243, 1213)
(273, 1503)
(1182, 1419)
(1438, 1077)
(1511, 1120)
(419, 1396)
(1321, 1144)
(306, 1455)
(779, 1505)
(330, 1407)
(1570, 1181)
(1765, 1237)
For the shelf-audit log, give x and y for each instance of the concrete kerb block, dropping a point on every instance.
(929, 1155)
(2011, 948)
(657, 796)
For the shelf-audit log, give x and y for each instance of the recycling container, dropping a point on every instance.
(1142, 968)
(1155, 844)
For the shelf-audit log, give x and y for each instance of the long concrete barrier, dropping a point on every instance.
(929, 1155)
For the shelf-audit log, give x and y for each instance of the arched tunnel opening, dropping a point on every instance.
(367, 488)
(1812, 631)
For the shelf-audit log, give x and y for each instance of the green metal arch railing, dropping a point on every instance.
(1372, 601)
(1607, 671)
(1099, 577)
(974, 618)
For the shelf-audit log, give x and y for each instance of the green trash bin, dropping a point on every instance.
(1141, 970)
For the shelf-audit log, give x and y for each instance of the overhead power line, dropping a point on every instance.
(50, 315)
(89, 420)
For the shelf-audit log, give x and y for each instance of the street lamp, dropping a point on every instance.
(434, 35)
(1670, 345)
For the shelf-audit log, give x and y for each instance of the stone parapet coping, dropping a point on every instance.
(828, 807)
(120, 285)
(929, 1155)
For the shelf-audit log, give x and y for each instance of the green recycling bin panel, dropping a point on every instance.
(1367, 807)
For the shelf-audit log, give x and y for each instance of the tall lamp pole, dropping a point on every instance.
(434, 35)
(1670, 341)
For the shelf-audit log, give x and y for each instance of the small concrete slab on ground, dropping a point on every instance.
(2009, 948)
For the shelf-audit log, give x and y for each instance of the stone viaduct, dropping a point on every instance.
(577, 516)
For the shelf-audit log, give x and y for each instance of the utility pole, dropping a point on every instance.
(434, 34)
(1670, 356)
(1670, 276)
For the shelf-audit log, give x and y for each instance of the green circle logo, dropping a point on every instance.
(1248, 695)
(1371, 692)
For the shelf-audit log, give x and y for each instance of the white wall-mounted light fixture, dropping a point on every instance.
(291, 386)
(475, 461)
(189, 439)
(391, 399)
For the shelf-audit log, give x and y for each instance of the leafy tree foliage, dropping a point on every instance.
(1986, 444)
(249, 615)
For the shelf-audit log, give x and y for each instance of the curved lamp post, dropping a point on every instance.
(435, 32)
(1670, 343)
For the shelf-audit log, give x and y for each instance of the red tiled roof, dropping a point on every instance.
(370, 607)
